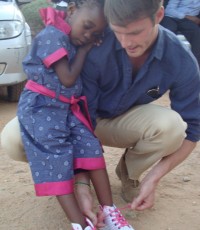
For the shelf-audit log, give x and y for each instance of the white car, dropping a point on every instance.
(15, 41)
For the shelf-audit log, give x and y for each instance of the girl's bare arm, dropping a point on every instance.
(68, 73)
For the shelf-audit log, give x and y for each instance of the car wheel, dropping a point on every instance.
(14, 91)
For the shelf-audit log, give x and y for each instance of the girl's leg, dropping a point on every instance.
(102, 187)
(97, 173)
(84, 195)
(71, 209)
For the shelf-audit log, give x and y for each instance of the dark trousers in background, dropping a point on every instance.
(188, 28)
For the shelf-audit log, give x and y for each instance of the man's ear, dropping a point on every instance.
(159, 15)
(71, 8)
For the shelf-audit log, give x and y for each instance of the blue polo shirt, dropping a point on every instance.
(111, 90)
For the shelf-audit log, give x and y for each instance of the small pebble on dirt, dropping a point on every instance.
(186, 179)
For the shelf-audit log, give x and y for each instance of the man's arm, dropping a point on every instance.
(184, 98)
(172, 9)
(148, 185)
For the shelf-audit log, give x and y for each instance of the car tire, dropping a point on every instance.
(14, 91)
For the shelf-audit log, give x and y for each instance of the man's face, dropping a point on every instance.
(138, 36)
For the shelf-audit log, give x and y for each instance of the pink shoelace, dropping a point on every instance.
(89, 224)
(116, 215)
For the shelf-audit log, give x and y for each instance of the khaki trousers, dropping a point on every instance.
(149, 132)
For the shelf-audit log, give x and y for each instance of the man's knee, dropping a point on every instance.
(171, 129)
(11, 141)
(161, 130)
(148, 122)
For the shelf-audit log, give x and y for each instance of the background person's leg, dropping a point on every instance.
(11, 141)
(148, 131)
(170, 24)
(192, 33)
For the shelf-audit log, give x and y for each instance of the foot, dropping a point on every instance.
(114, 220)
(130, 188)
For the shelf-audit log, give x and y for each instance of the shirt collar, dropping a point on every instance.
(158, 49)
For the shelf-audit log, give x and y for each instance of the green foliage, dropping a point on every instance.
(31, 14)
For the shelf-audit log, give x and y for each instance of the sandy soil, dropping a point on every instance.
(177, 205)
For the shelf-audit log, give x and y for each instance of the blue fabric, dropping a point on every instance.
(188, 28)
(181, 8)
(176, 21)
(111, 90)
(52, 136)
(47, 42)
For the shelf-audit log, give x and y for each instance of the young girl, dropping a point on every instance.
(57, 135)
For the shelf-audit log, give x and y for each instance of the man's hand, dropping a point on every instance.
(148, 185)
(146, 196)
(195, 19)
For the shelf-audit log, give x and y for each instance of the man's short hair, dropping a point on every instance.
(122, 12)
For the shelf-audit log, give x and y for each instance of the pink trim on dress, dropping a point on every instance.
(89, 163)
(52, 58)
(54, 188)
(84, 118)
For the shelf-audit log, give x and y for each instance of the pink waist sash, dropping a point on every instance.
(85, 119)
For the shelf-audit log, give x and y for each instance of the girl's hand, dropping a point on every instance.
(99, 40)
(86, 48)
(85, 201)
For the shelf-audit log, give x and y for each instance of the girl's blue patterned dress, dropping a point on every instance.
(55, 141)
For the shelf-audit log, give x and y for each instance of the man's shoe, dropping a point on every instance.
(114, 220)
(130, 188)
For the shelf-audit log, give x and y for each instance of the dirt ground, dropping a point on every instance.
(177, 205)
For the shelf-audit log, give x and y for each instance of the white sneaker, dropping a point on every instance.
(78, 226)
(114, 220)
